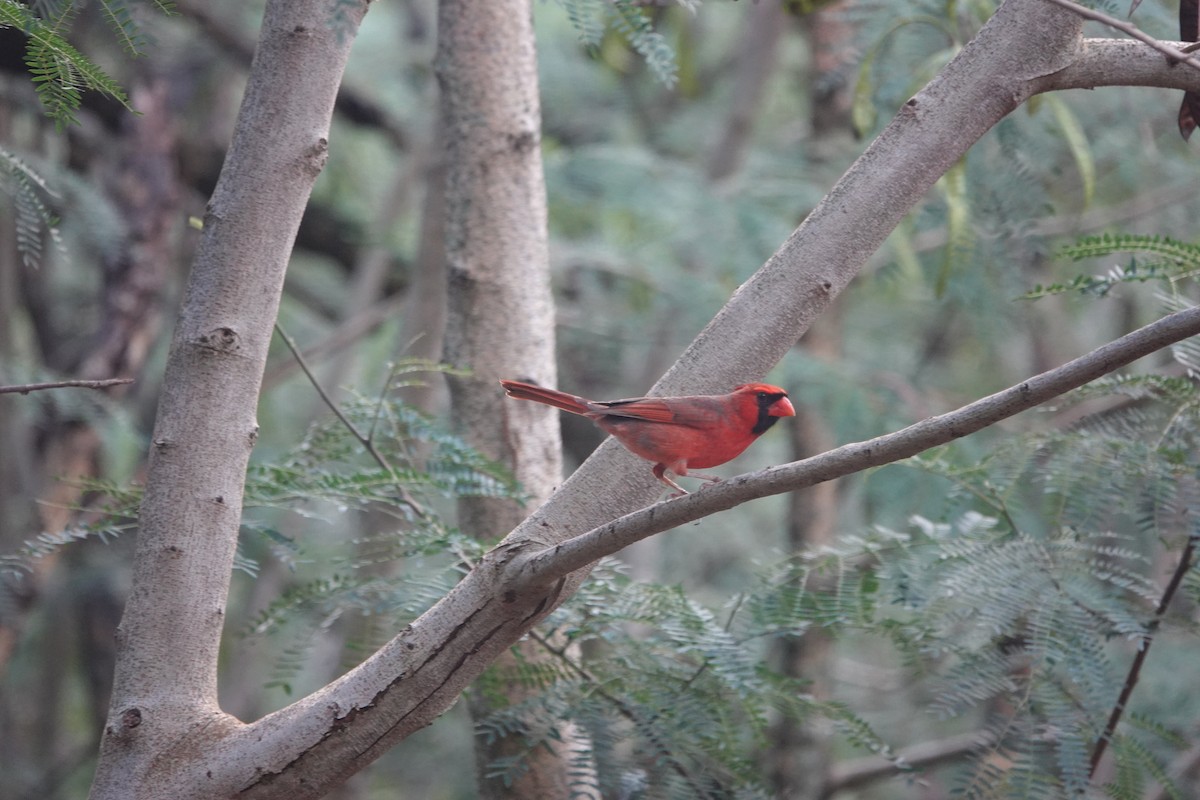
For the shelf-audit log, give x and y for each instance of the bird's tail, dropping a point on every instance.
(538, 394)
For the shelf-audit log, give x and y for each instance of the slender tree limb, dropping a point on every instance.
(547, 565)
(1135, 668)
(26, 388)
(365, 440)
(1170, 51)
(1122, 62)
(861, 771)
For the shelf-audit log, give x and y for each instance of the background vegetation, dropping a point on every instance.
(983, 602)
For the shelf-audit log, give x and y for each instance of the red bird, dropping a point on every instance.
(676, 433)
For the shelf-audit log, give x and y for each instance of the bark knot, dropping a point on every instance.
(317, 155)
(522, 142)
(220, 340)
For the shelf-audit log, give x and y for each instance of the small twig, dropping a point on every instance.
(856, 772)
(383, 393)
(365, 441)
(1173, 53)
(26, 388)
(1135, 669)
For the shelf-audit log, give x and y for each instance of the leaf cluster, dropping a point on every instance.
(396, 569)
(592, 19)
(1152, 258)
(61, 73)
(30, 196)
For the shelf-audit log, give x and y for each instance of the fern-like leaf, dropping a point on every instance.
(121, 22)
(632, 21)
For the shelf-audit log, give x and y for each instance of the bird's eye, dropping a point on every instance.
(762, 395)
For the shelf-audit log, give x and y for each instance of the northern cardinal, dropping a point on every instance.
(676, 433)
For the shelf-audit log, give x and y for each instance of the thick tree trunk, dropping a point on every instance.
(165, 688)
(500, 318)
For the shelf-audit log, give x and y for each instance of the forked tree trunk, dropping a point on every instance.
(165, 684)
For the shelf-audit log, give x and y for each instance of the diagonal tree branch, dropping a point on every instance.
(1135, 668)
(550, 564)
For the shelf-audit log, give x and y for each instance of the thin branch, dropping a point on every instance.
(858, 772)
(545, 566)
(365, 441)
(1135, 669)
(1173, 53)
(26, 388)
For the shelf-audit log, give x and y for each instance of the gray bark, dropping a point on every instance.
(166, 737)
(500, 315)
(164, 705)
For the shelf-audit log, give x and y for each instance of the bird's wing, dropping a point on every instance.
(687, 411)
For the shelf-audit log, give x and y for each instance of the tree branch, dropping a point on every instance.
(1170, 51)
(1121, 62)
(363, 439)
(26, 388)
(1135, 668)
(547, 565)
(860, 771)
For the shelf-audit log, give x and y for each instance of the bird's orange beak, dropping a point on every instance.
(783, 408)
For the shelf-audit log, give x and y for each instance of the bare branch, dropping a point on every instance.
(861, 771)
(1171, 52)
(1135, 668)
(547, 565)
(26, 388)
(364, 440)
(1121, 62)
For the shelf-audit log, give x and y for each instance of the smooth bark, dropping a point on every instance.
(164, 722)
(500, 316)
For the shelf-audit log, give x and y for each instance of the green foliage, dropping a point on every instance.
(674, 698)
(632, 21)
(30, 197)
(61, 73)
(122, 21)
(396, 570)
(117, 514)
(1162, 259)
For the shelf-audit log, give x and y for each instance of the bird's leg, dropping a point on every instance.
(660, 472)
